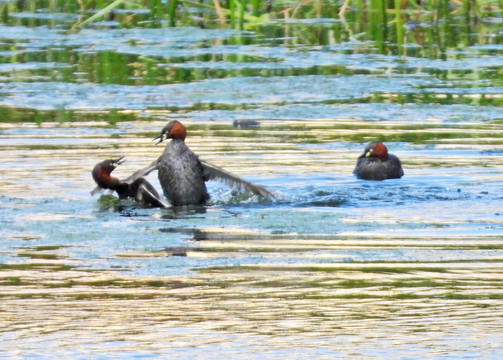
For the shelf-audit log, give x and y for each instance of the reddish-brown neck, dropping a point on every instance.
(103, 176)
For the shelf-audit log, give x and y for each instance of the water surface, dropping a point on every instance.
(331, 267)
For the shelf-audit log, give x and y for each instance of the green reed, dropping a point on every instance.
(377, 20)
(399, 26)
(172, 12)
(395, 23)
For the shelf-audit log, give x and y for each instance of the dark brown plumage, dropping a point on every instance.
(183, 175)
(137, 188)
(376, 164)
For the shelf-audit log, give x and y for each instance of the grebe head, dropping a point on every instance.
(174, 130)
(102, 171)
(377, 150)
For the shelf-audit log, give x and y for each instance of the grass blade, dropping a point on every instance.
(103, 12)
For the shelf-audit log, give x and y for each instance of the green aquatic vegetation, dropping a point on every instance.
(414, 137)
(12, 281)
(36, 266)
(126, 296)
(39, 256)
(105, 283)
(422, 283)
(330, 269)
(459, 296)
(32, 296)
(392, 25)
(129, 283)
(488, 247)
(417, 134)
(14, 115)
(405, 296)
(26, 237)
(157, 284)
(62, 284)
(109, 202)
(204, 128)
(351, 284)
(236, 133)
(169, 11)
(116, 296)
(48, 247)
(359, 296)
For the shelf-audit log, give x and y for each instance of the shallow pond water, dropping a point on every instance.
(332, 267)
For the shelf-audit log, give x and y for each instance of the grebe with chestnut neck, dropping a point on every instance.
(183, 175)
(134, 186)
(376, 164)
